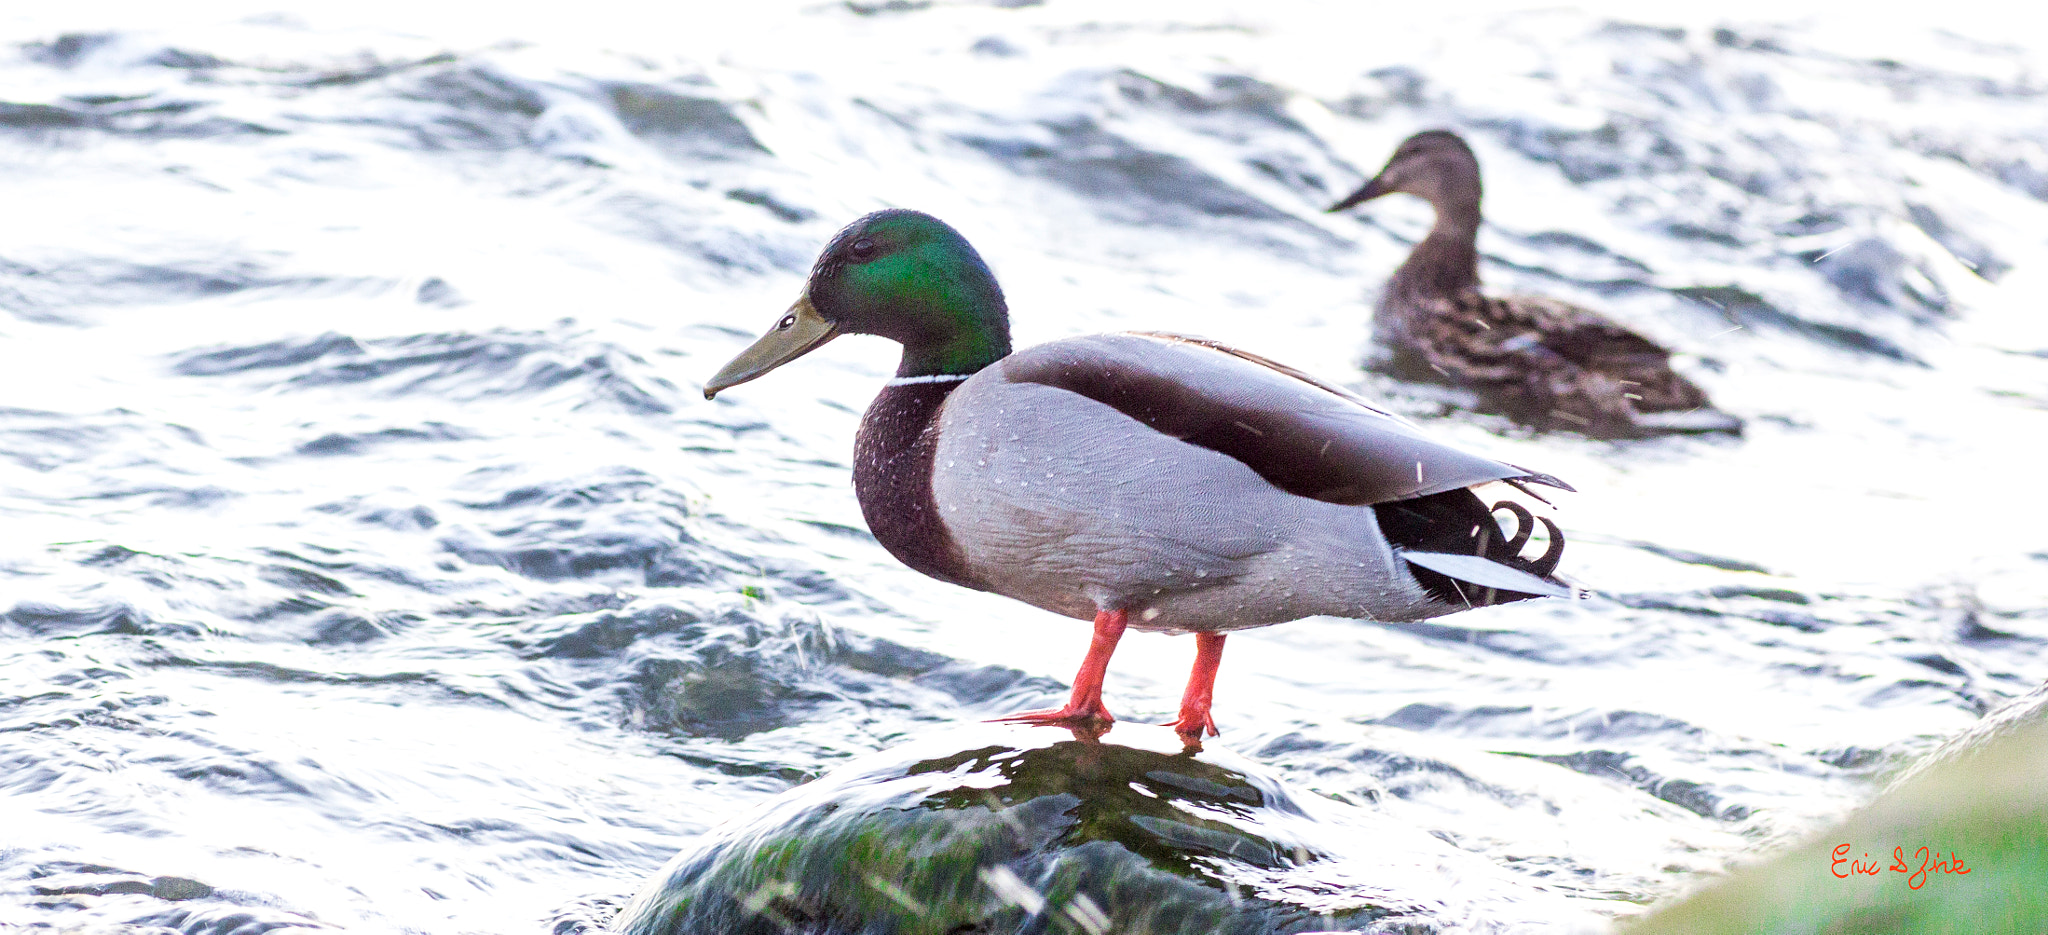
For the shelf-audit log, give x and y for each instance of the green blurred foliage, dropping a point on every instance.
(1958, 846)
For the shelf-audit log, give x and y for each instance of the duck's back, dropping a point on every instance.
(1543, 361)
(1167, 475)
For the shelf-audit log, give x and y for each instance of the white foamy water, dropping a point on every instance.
(372, 557)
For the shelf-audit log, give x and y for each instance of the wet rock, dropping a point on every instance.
(87, 883)
(1011, 829)
(178, 888)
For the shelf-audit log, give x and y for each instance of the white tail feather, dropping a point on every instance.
(1485, 573)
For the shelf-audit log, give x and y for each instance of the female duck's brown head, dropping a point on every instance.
(1434, 165)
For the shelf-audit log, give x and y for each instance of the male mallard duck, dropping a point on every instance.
(1163, 482)
(1539, 360)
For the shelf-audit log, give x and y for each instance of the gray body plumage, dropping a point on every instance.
(1067, 502)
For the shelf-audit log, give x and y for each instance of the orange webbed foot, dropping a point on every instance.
(1073, 715)
(1194, 725)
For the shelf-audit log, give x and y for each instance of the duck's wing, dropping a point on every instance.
(1660, 399)
(1302, 435)
(1576, 334)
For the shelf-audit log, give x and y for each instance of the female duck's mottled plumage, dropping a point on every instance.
(1149, 480)
(1540, 361)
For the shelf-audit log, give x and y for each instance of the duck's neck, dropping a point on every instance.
(961, 354)
(1445, 263)
(892, 475)
(950, 318)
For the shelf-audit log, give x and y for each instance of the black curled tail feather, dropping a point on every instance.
(1458, 522)
(1525, 524)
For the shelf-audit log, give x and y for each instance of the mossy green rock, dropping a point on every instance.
(1007, 829)
(1957, 846)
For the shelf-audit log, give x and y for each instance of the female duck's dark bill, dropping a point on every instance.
(797, 333)
(1367, 192)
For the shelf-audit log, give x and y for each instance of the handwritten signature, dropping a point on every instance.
(1930, 862)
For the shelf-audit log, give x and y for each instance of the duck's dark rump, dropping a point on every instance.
(1458, 522)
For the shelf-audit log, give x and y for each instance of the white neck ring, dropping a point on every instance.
(934, 378)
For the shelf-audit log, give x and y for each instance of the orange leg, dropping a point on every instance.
(1194, 718)
(1085, 706)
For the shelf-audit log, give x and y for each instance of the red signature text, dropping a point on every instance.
(1925, 863)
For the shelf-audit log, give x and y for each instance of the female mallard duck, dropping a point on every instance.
(1163, 482)
(1538, 360)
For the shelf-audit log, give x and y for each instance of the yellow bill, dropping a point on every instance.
(797, 333)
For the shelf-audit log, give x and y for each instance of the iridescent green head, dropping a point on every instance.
(903, 275)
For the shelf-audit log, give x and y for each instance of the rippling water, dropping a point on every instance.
(372, 559)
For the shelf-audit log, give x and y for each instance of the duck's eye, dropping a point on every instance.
(788, 321)
(863, 249)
